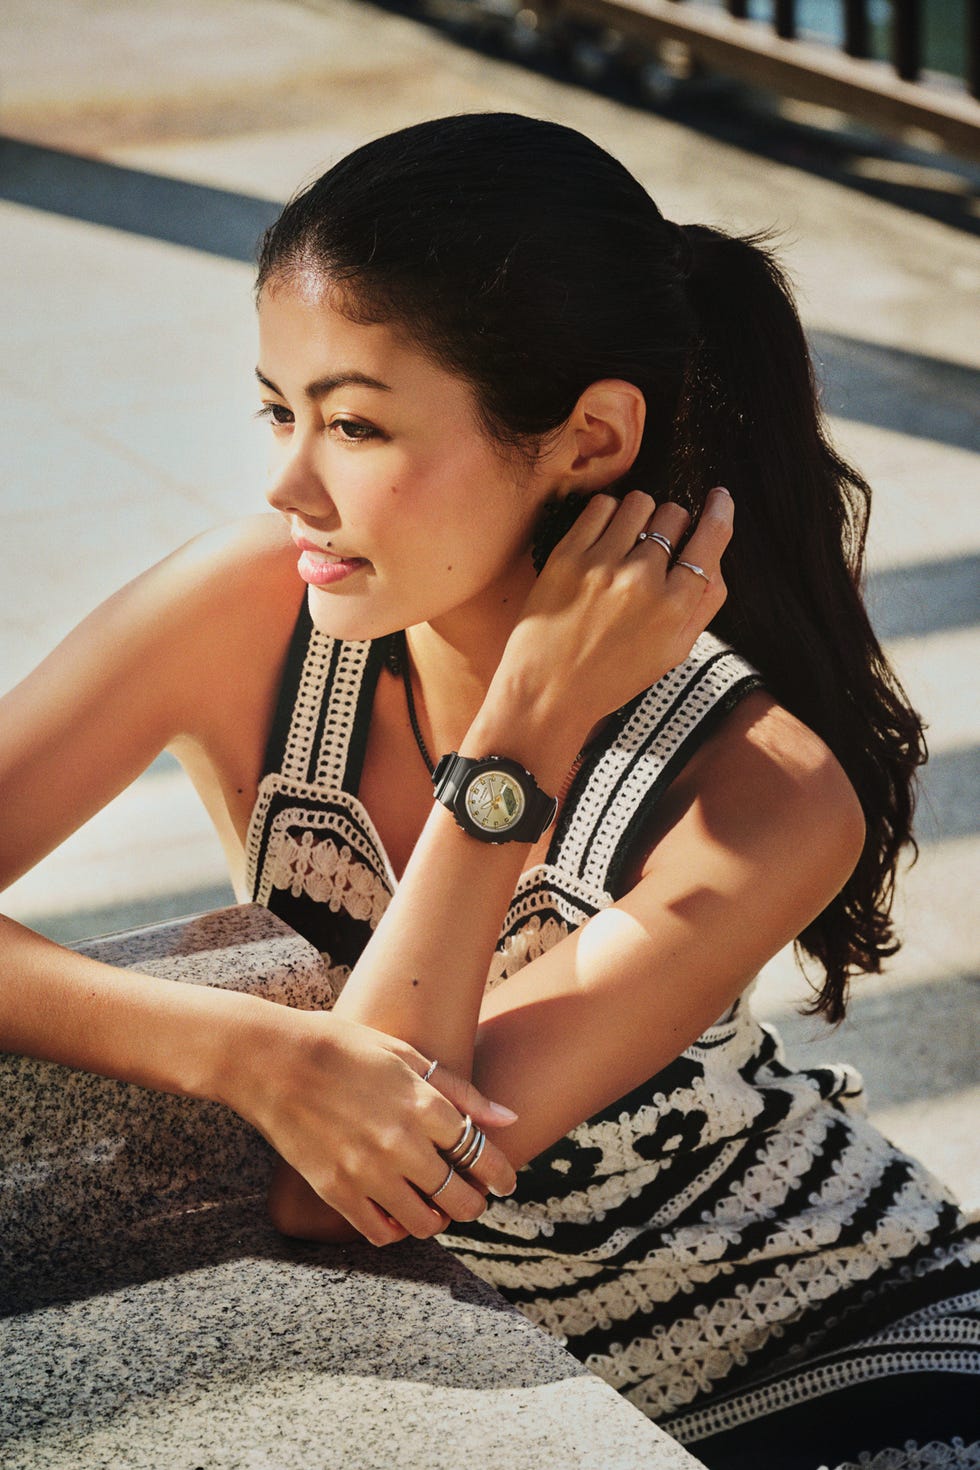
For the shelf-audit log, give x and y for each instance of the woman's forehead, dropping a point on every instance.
(306, 344)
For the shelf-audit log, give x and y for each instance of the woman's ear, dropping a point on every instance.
(602, 437)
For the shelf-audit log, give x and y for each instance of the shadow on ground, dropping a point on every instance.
(862, 380)
(891, 1039)
(214, 221)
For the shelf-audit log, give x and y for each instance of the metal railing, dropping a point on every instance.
(893, 95)
(907, 33)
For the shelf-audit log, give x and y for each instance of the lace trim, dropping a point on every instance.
(342, 874)
(338, 727)
(548, 888)
(956, 1455)
(668, 1368)
(708, 1343)
(729, 1109)
(529, 942)
(325, 872)
(256, 830)
(968, 1302)
(672, 708)
(301, 740)
(809, 1384)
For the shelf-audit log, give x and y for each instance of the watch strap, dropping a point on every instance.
(454, 773)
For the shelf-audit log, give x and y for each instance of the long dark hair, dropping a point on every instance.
(521, 255)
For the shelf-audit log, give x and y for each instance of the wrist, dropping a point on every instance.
(521, 717)
(240, 1053)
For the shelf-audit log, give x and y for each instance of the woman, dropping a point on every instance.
(484, 353)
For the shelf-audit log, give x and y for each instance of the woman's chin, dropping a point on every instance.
(350, 619)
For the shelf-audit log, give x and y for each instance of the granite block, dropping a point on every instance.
(81, 1155)
(208, 1341)
(150, 1316)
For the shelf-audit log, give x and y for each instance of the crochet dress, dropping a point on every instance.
(731, 1245)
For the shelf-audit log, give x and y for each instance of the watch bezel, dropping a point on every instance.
(513, 784)
(454, 777)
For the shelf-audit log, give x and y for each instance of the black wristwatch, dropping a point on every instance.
(493, 799)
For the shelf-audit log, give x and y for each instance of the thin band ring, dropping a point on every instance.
(661, 540)
(469, 1158)
(462, 1143)
(698, 571)
(431, 1068)
(444, 1184)
(476, 1157)
(463, 1159)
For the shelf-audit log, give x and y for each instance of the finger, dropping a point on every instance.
(671, 520)
(657, 544)
(365, 1219)
(412, 1212)
(494, 1171)
(455, 1196)
(468, 1098)
(707, 542)
(382, 1227)
(590, 525)
(635, 511)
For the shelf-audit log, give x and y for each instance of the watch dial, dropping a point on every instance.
(494, 801)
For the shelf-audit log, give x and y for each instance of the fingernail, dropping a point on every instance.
(724, 490)
(501, 1193)
(506, 1115)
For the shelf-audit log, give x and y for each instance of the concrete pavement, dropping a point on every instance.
(126, 402)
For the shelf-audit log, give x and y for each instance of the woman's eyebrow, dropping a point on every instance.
(320, 387)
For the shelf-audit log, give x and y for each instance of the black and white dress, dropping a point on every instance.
(730, 1244)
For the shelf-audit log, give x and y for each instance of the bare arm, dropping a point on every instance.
(725, 886)
(142, 670)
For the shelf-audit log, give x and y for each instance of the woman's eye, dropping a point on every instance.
(275, 413)
(353, 430)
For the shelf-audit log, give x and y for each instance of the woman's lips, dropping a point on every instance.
(321, 569)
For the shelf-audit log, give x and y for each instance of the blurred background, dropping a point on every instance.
(144, 147)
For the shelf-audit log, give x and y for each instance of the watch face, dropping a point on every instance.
(494, 801)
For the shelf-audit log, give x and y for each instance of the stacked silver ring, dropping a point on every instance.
(660, 539)
(468, 1147)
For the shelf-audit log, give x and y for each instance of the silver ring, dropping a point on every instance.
(663, 541)
(432, 1066)
(476, 1157)
(468, 1159)
(444, 1184)
(698, 571)
(462, 1144)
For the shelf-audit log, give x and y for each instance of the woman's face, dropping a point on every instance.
(403, 510)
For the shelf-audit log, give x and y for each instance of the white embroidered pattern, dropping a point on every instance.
(524, 944)
(707, 1287)
(329, 875)
(956, 1455)
(334, 875)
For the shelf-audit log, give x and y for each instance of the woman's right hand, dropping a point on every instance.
(347, 1108)
(611, 614)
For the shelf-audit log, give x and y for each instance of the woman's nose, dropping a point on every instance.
(295, 484)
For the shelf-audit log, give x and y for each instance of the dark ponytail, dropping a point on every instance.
(525, 258)
(748, 417)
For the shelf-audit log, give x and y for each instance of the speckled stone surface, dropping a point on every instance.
(80, 1154)
(151, 1318)
(207, 1341)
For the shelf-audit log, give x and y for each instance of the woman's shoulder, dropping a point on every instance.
(763, 781)
(229, 565)
(191, 647)
(230, 589)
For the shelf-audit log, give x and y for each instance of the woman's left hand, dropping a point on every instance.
(610, 614)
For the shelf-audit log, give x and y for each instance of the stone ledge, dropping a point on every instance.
(151, 1315)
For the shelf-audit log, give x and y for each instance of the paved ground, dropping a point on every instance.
(145, 148)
